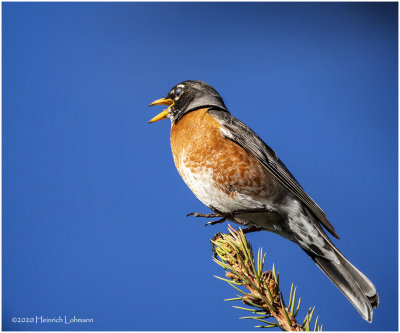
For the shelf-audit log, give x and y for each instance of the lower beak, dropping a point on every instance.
(164, 114)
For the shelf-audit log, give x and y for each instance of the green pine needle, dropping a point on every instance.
(235, 255)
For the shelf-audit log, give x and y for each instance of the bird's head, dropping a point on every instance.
(188, 96)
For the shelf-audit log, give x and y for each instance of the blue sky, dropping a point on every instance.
(93, 208)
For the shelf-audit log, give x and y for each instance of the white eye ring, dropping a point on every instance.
(178, 91)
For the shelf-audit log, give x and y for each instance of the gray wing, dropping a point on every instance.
(241, 134)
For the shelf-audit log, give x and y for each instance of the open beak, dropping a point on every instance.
(164, 114)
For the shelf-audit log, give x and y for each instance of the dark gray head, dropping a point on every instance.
(188, 96)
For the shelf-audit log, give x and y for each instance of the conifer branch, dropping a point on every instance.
(235, 255)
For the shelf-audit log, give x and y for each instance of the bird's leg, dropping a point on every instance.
(252, 228)
(204, 215)
(217, 221)
(223, 217)
(256, 210)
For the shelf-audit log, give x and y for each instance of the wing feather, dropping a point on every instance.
(241, 134)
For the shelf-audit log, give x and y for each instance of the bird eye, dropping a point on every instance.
(178, 91)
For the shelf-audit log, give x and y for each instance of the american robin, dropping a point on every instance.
(232, 171)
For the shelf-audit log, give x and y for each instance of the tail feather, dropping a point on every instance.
(365, 284)
(353, 284)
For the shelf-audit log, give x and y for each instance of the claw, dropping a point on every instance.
(223, 218)
(215, 222)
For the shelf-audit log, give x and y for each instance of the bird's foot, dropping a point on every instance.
(252, 228)
(231, 215)
(223, 218)
(216, 222)
(204, 215)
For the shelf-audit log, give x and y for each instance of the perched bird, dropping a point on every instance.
(232, 171)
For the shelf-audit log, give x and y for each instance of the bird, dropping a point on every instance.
(231, 170)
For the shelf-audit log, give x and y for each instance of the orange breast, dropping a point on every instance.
(199, 148)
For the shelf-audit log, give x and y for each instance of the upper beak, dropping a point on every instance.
(162, 115)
